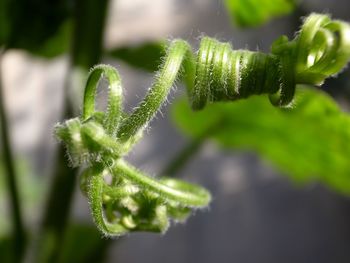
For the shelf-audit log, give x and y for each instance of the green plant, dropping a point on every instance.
(250, 13)
(133, 201)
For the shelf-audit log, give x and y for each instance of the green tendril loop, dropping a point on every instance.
(124, 199)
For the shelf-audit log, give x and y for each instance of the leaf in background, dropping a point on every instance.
(6, 248)
(56, 45)
(146, 56)
(251, 13)
(83, 243)
(37, 26)
(31, 189)
(5, 25)
(308, 142)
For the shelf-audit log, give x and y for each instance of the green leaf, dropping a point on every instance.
(308, 142)
(83, 243)
(57, 44)
(31, 189)
(251, 13)
(146, 56)
(6, 248)
(5, 23)
(38, 26)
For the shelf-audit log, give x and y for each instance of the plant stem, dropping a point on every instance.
(56, 209)
(183, 157)
(89, 23)
(187, 153)
(17, 220)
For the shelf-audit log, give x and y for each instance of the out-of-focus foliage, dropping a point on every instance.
(57, 44)
(45, 29)
(35, 25)
(308, 142)
(82, 244)
(4, 222)
(5, 237)
(146, 56)
(31, 190)
(6, 246)
(250, 13)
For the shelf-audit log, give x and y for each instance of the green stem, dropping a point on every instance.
(218, 73)
(17, 220)
(183, 157)
(87, 41)
(114, 108)
(178, 52)
(56, 210)
(189, 195)
(187, 153)
(172, 194)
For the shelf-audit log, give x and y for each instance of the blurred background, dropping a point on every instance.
(258, 212)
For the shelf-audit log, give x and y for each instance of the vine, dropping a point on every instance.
(124, 199)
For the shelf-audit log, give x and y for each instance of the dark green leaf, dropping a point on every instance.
(308, 142)
(83, 243)
(6, 249)
(250, 13)
(146, 56)
(37, 26)
(56, 45)
(30, 190)
(5, 22)
(89, 23)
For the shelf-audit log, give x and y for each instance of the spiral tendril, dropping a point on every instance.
(133, 201)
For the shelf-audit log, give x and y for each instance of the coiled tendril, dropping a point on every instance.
(131, 200)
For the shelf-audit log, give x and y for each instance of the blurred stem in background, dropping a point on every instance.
(89, 23)
(181, 159)
(19, 235)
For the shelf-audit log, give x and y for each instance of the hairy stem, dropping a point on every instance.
(189, 195)
(11, 176)
(158, 93)
(134, 201)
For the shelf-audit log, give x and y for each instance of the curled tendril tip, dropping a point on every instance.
(133, 201)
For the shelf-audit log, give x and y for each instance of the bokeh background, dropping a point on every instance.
(257, 214)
